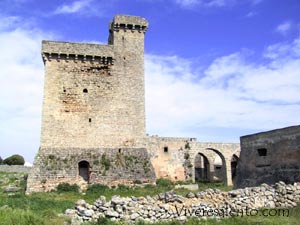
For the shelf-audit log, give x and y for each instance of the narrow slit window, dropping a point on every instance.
(166, 149)
(262, 151)
(90, 120)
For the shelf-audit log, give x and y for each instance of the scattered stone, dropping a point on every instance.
(12, 188)
(167, 206)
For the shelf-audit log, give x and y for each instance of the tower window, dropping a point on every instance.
(262, 151)
(90, 120)
(85, 90)
(166, 149)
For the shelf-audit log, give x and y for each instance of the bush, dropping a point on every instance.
(65, 187)
(149, 186)
(122, 187)
(137, 182)
(162, 182)
(14, 160)
(97, 188)
(1, 160)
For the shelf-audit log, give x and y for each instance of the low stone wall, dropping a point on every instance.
(115, 166)
(211, 203)
(15, 168)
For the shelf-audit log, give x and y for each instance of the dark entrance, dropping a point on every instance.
(84, 170)
(201, 168)
(234, 163)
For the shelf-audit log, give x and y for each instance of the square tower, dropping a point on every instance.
(94, 94)
(93, 119)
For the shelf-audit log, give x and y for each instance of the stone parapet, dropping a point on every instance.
(77, 48)
(125, 22)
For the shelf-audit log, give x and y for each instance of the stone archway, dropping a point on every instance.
(226, 168)
(84, 170)
(202, 168)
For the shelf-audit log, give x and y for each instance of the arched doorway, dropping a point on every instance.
(201, 168)
(84, 170)
(234, 163)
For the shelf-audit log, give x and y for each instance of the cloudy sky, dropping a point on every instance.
(215, 69)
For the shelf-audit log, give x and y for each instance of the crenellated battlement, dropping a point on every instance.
(125, 22)
(76, 58)
(103, 54)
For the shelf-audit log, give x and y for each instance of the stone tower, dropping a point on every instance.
(93, 119)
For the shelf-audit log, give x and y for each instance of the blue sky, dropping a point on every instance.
(215, 69)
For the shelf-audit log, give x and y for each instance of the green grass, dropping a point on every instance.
(43, 208)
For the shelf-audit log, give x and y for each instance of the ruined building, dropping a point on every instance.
(269, 157)
(93, 119)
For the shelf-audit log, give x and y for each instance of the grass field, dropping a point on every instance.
(44, 208)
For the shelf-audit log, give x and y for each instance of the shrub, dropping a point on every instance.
(137, 182)
(187, 146)
(97, 188)
(14, 160)
(162, 182)
(1, 160)
(65, 187)
(149, 186)
(122, 187)
(186, 156)
(105, 162)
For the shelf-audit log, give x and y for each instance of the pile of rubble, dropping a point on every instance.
(266, 196)
(211, 203)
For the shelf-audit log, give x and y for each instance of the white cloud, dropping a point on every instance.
(283, 51)
(187, 3)
(251, 14)
(232, 93)
(7, 22)
(284, 27)
(74, 7)
(212, 3)
(204, 3)
(21, 81)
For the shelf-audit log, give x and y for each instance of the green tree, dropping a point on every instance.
(1, 160)
(14, 160)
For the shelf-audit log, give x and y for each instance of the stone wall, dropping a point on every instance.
(175, 158)
(15, 168)
(105, 166)
(168, 157)
(269, 157)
